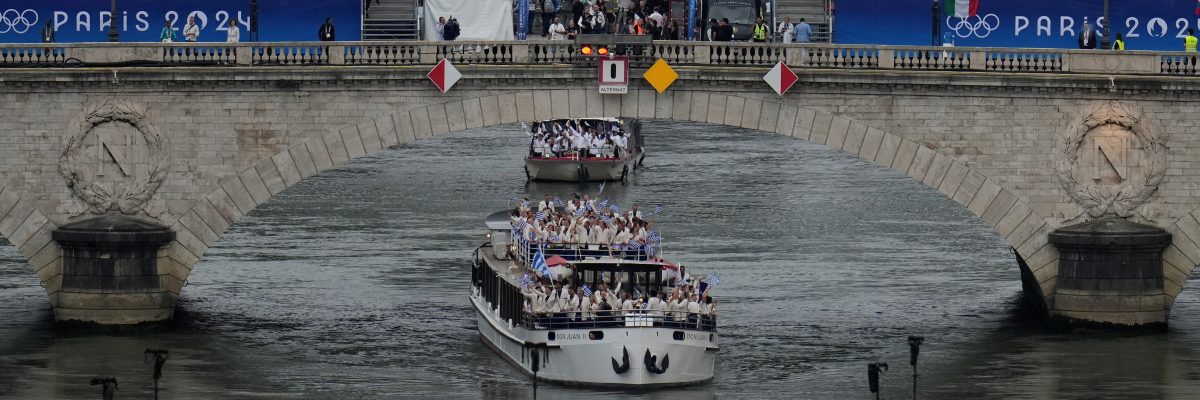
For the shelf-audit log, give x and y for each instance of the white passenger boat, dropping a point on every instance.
(630, 349)
(575, 166)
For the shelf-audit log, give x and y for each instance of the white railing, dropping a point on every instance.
(679, 53)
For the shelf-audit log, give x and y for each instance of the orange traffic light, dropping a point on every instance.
(586, 50)
(602, 51)
(590, 50)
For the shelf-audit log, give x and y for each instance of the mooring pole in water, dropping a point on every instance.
(914, 350)
(873, 371)
(108, 387)
(160, 358)
(536, 366)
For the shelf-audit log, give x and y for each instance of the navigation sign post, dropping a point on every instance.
(781, 78)
(444, 75)
(614, 75)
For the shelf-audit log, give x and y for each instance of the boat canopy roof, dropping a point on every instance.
(499, 221)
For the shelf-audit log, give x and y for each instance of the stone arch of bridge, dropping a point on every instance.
(237, 195)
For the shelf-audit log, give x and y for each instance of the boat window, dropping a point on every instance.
(678, 335)
(596, 335)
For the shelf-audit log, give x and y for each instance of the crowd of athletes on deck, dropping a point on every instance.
(580, 223)
(578, 138)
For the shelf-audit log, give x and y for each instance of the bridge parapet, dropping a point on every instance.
(964, 59)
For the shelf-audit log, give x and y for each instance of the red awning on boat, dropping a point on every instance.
(555, 260)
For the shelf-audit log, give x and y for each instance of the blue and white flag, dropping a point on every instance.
(658, 209)
(602, 203)
(653, 236)
(713, 278)
(650, 250)
(554, 237)
(558, 202)
(614, 208)
(580, 211)
(525, 280)
(524, 203)
(587, 291)
(540, 215)
(539, 264)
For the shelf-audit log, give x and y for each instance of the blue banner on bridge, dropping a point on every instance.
(1145, 25)
(22, 21)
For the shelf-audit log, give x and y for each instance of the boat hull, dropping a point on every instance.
(566, 170)
(573, 357)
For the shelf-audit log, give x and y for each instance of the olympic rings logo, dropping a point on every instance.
(17, 21)
(975, 25)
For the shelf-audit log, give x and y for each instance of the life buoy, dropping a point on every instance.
(651, 361)
(624, 365)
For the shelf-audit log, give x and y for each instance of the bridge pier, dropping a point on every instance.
(110, 271)
(1110, 273)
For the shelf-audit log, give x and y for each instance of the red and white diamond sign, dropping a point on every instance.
(781, 78)
(444, 75)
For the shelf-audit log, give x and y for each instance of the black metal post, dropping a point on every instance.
(937, 14)
(113, 36)
(873, 371)
(1107, 26)
(914, 350)
(160, 358)
(253, 20)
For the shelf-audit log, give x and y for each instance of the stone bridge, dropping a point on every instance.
(196, 137)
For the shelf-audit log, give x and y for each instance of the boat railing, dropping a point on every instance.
(620, 319)
(525, 250)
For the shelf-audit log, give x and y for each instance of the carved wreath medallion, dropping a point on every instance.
(113, 157)
(1111, 160)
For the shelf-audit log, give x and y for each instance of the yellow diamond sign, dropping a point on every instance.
(660, 75)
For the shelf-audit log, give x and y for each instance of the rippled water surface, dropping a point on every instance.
(353, 284)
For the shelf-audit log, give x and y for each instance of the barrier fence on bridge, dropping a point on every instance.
(676, 53)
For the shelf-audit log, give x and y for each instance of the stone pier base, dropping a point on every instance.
(110, 272)
(1110, 273)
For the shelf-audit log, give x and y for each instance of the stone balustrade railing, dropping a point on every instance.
(554, 52)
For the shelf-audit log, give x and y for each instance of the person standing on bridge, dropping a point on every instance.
(235, 34)
(803, 32)
(1118, 43)
(48, 32)
(327, 33)
(1189, 41)
(760, 31)
(191, 32)
(167, 35)
(1087, 37)
(786, 30)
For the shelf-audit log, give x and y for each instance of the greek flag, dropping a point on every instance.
(658, 209)
(558, 202)
(653, 237)
(650, 250)
(614, 208)
(539, 264)
(540, 215)
(580, 211)
(635, 245)
(524, 203)
(554, 237)
(587, 291)
(602, 203)
(525, 280)
(713, 278)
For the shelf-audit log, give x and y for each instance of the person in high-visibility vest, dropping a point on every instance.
(1189, 42)
(760, 31)
(1119, 44)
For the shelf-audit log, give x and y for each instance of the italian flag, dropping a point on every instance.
(962, 8)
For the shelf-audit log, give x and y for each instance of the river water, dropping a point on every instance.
(354, 284)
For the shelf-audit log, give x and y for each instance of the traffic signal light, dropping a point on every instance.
(593, 50)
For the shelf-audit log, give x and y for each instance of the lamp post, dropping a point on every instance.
(113, 36)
